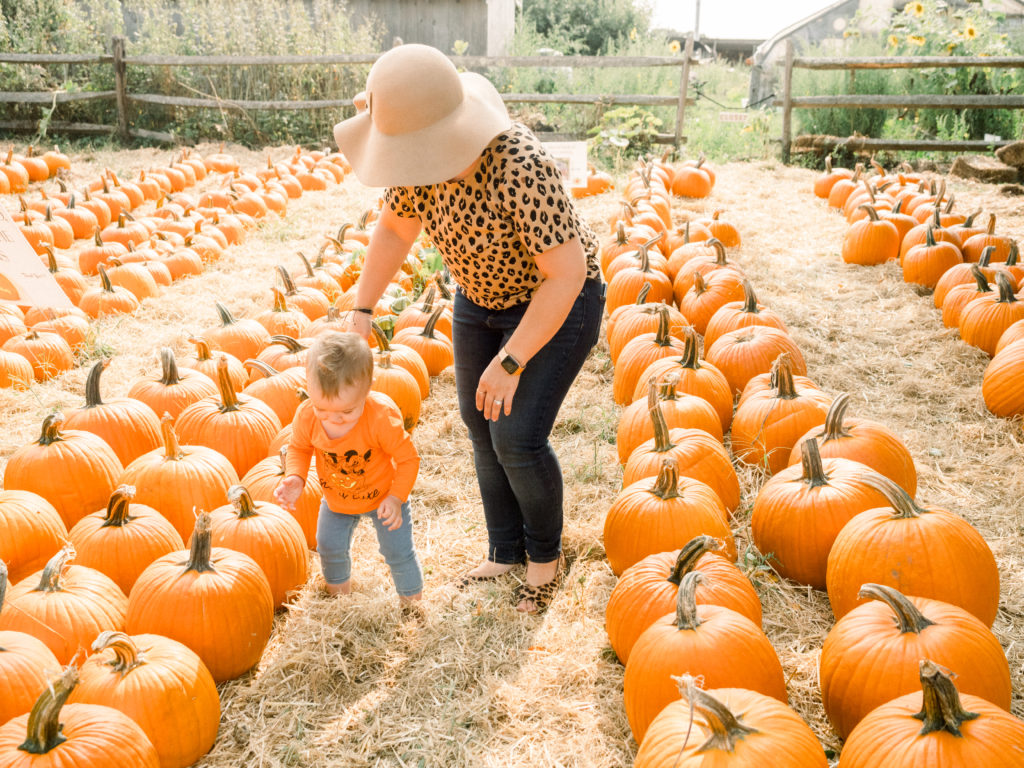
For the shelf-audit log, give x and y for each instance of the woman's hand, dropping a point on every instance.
(495, 391)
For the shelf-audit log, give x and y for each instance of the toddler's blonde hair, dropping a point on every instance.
(337, 360)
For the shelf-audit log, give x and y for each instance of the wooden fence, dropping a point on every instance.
(875, 101)
(127, 101)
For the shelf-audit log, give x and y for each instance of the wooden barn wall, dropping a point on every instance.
(433, 22)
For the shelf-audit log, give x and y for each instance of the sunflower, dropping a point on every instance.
(893, 41)
(917, 40)
(633, 34)
(674, 46)
(970, 32)
(916, 9)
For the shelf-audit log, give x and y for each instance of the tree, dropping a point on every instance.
(586, 27)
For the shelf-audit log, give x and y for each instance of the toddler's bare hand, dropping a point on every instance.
(288, 492)
(390, 513)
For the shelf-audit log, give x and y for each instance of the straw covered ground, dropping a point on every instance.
(353, 682)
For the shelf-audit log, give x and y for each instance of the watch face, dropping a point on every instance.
(510, 365)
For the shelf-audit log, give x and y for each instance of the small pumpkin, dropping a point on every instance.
(174, 389)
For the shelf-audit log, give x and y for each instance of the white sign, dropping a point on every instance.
(733, 117)
(571, 157)
(23, 278)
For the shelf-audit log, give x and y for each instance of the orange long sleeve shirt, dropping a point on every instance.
(357, 471)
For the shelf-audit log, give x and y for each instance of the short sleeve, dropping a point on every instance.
(535, 200)
(399, 201)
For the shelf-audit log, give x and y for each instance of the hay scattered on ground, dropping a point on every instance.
(352, 682)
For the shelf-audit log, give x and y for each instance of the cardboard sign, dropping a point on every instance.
(23, 278)
(733, 117)
(571, 157)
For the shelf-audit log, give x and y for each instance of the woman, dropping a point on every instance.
(530, 299)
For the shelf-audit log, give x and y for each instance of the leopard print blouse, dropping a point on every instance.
(489, 225)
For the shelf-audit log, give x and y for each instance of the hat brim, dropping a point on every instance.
(430, 155)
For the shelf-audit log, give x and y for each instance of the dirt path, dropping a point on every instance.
(351, 682)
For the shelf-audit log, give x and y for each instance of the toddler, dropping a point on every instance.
(365, 461)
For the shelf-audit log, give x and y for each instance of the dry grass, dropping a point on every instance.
(354, 682)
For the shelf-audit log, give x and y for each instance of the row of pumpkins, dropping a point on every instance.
(972, 272)
(914, 588)
(104, 500)
(107, 257)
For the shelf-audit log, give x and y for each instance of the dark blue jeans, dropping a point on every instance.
(517, 470)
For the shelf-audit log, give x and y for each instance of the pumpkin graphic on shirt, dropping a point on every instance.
(346, 470)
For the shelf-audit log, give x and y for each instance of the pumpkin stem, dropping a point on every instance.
(306, 264)
(749, 298)
(686, 601)
(667, 387)
(726, 729)
(172, 449)
(699, 286)
(427, 304)
(228, 396)
(690, 357)
(380, 336)
(663, 337)
(901, 502)
(662, 437)
(119, 507)
(428, 329)
(44, 726)
(280, 301)
(941, 707)
(690, 554)
(202, 348)
(92, 383)
(1005, 289)
(714, 242)
(782, 369)
(170, 375)
(979, 278)
(909, 618)
(127, 655)
(286, 280)
(641, 298)
(442, 287)
(50, 581)
(261, 366)
(241, 499)
(872, 213)
(226, 318)
(1013, 255)
(200, 548)
(929, 236)
(834, 429)
(813, 470)
(986, 255)
(291, 344)
(667, 485)
(105, 279)
(51, 429)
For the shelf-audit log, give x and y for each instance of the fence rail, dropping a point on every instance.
(125, 100)
(788, 102)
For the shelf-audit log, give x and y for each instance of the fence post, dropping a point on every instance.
(121, 87)
(787, 103)
(684, 85)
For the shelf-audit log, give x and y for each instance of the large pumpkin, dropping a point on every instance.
(936, 726)
(871, 655)
(123, 539)
(265, 476)
(799, 512)
(269, 535)
(53, 735)
(680, 410)
(658, 514)
(767, 424)
(75, 471)
(238, 426)
(25, 662)
(180, 479)
(128, 425)
(64, 605)
(215, 601)
(174, 389)
(724, 648)
(161, 685)
(728, 727)
(639, 352)
(648, 589)
(925, 551)
(31, 530)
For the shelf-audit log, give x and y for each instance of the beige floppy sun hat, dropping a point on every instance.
(423, 121)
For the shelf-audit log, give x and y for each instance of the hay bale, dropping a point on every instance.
(1012, 154)
(984, 168)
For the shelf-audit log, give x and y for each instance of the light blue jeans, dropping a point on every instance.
(334, 541)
